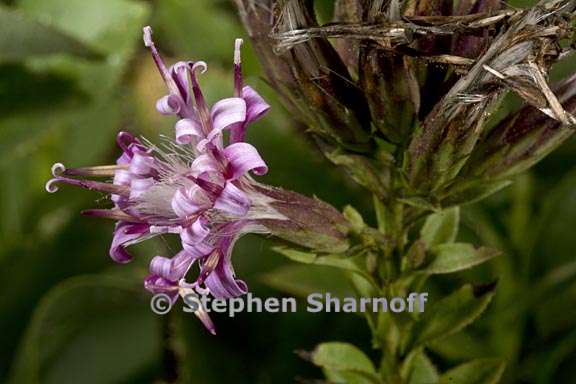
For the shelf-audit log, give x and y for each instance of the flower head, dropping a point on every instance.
(197, 187)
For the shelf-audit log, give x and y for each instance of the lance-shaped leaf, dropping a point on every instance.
(361, 169)
(22, 37)
(344, 363)
(441, 227)
(450, 314)
(334, 261)
(303, 280)
(470, 191)
(449, 258)
(480, 371)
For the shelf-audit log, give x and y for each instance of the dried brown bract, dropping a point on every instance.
(399, 92)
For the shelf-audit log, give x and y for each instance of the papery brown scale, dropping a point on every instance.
(348, 12)
(469, 45)
(436, 83)
(438, 151)
(313, 80)
(385, 80)
(523, 138)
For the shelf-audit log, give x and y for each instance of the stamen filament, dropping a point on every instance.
(148, 42)
(113, 214)
(97, 171)
(88, 184)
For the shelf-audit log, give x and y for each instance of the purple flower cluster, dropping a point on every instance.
(197, 186)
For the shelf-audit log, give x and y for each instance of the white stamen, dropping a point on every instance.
(51, 186)
(237, 45)
(58, 169)
(148, 36)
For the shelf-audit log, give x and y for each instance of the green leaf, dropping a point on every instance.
(334, 261)
(456, 257)
(361, 170)
(303, 280)
(472, 191)
(450, 348)
(480, 371)
(344, 363)
(418, 369)
(451, 314)
(441, 227)
(419, 202)
(22, 37)
(95, 328)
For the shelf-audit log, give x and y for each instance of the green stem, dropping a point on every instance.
(391, 222)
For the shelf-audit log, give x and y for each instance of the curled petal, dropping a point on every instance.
(197, 250)
(157, 284)
(243, 157)
(226, 113)
(204, 163)
(125, 140)
(161, 266)
(139, 186)
(196, 233)
(122, 177)
(187, 130)
(233, 200)
(186, 203)
(168, 105)
(222, 283)
(172, 269)
(126, 234)
(256, 106)
(141, 164)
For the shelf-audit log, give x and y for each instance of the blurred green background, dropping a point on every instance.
(73, 73)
